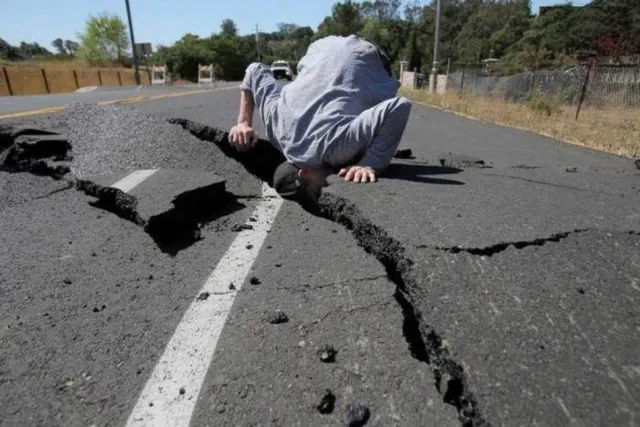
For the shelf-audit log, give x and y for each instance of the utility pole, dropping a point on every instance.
(258, 43)
(133, 45)
(436, 49)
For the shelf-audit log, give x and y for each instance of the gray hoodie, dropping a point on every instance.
(341, 108)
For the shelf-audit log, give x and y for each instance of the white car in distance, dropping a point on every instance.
(281, 69)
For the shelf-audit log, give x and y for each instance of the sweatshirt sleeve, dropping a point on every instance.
(375, 134)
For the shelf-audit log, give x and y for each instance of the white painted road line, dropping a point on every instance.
(130, 181)
(175, 383)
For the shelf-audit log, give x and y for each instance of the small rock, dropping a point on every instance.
(581, 290)
(221, 408)
(249, 246)
(637, 163)
(327, 354)
(302, 344)
(405, 153)
(327, 403)
(182, 390)
(232, 287)
(150, 403)
(241, 227)
(254, 280)
(357, 415)
(571, 169)
(252, 219)
(244, 392)
(67, 281)
(94, 254)
(203, 296)
(277, 316)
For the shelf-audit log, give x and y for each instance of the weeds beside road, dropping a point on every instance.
(611, 129)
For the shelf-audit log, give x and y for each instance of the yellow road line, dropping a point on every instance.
(57, 109)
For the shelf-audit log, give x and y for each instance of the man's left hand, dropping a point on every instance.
(358, 174)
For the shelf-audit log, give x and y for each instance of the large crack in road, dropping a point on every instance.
(425, 343)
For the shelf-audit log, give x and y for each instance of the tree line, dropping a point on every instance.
(471, 30)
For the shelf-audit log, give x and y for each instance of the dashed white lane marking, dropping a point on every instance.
(130, 181)
(171, 393)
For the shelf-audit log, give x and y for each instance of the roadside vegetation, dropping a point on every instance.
(612, 129)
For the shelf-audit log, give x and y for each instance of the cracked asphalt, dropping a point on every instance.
(499, 295)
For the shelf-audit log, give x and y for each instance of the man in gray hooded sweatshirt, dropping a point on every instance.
(341, 113)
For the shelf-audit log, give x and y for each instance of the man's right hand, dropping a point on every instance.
(243, 137)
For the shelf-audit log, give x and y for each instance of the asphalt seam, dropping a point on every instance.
(305, 287)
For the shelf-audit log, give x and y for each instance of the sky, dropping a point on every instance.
(163, 21)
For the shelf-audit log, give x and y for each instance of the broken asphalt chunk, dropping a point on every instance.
(113, 200)
(277, 316)
(571, 169)
(175, 216)
(44, 153)
(357, 415)
(461, 162)
(327, 403)
(405, 153)
(203, 296)
(327, 354)
(241, 227)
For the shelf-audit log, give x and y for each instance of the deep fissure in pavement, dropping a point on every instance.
(424, 342)
(503, 246)
(46, 153)
(172, 230)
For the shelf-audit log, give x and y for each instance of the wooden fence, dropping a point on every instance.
(39, 81)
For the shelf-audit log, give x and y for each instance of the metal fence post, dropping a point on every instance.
(44, 78)
(6, 79)
(533, 77)
(75, 78)
(584, 87)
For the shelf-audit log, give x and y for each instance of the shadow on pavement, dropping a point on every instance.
(417, 173)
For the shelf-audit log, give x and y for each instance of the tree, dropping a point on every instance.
(30, 50)
(8, 51)
(287, 30)
(58, 44)
(229, 28)
(345, 20)
(104, 39)
(71, 47)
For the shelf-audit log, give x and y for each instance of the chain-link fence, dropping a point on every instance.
(602, 84)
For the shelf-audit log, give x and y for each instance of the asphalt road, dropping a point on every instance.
(16, 104)
(503, 293)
